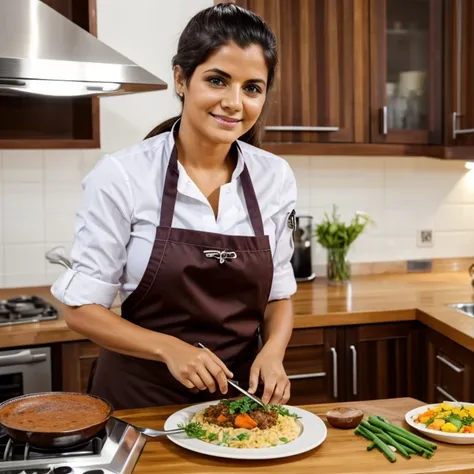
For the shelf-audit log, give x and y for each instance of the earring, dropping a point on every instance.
(181, 94)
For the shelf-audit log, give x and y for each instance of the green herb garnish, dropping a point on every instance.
(282, 411)
(284, 440)
(242, 436)
(212, 437)
(194, 430)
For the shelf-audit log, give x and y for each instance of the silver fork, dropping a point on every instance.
(155, 433)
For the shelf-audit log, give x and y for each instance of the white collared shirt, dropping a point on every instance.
(116, 223)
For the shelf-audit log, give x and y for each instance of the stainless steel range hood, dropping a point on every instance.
(43, 53)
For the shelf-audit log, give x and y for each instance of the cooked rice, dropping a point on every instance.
(287, 427)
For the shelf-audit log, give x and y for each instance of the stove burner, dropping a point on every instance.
(114, 451)
(26, 309)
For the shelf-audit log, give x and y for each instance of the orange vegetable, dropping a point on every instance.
(244, 421)
(221, 418)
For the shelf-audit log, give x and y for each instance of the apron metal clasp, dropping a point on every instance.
(221, 256)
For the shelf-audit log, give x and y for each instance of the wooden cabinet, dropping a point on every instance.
(449, 370)
(380, 77)
(313, 93)
(406, 71)
(381, 361)
(36, 122)
(362, 362)
(77, 361)
(311, 362)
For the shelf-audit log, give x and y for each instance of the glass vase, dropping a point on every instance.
(338, 267)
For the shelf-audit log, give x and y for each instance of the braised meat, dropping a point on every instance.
(220, 415)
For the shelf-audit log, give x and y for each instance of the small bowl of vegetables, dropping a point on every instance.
(450, 422)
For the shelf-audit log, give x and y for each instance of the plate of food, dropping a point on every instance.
(451, 422)
(241, 429)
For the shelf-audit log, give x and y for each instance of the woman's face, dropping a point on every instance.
(226, 93)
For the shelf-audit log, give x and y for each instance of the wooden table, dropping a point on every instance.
(342, 452)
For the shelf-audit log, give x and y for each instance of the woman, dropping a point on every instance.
(193, 227)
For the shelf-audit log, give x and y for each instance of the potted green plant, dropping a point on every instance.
(337, 237)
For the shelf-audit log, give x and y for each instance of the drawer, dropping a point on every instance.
(450, 379)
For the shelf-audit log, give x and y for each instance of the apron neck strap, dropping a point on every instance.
(171, 188)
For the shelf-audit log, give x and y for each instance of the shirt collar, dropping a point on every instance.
(240, 155)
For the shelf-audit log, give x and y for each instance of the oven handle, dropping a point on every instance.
(20, 358)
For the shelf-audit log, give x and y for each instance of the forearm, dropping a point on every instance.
(278, 324)
(110, 331)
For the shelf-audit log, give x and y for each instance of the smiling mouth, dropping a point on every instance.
(225, 119)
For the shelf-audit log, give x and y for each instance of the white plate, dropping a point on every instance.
(314, 432)
(452, 438)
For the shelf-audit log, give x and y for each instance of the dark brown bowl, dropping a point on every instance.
(54, 419)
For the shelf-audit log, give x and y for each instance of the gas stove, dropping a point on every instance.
(114, 451)
(26, 309)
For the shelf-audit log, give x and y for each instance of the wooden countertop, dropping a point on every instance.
(369, 299)
(342, 451)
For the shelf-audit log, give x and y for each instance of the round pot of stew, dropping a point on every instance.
(54, 419)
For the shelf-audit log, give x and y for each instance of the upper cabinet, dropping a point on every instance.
(45, 122)
(371, 77)
(313, 93)
(406, 71)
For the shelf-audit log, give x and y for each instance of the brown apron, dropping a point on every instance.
(199, 287)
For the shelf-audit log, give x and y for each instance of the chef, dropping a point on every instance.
(193, 226)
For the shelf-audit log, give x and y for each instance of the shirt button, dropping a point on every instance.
(229, 190)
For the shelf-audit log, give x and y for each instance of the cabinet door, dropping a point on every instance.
(312, 99)
(311, 363)
(406, 44)
(78, 359)
(459, 66)
(449, 370)
(381, 361)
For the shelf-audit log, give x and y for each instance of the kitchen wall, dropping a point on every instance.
(41, 189)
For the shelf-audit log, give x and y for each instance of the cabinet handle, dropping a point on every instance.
(445, 394)
(384, 120)
(297, 128)
(450, 365)
(334, 372)
(315, 375)
(354, 369)
(457, 115)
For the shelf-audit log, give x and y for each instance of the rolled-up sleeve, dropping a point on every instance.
(284, 283)
(101, 235)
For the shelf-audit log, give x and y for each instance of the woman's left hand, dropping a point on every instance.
(268, 367)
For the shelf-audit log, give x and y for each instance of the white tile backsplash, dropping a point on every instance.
(23, 213)
(63, 166)
(402, 195)
(22, 166)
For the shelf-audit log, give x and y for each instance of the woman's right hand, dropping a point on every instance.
(196, 368)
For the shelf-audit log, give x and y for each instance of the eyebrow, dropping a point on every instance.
(228, 76)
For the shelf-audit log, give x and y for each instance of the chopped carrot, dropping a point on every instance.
(244, 421)
(221, 418)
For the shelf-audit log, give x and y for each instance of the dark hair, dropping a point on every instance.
(209, 30)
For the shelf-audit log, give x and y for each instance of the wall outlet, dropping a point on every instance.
(424, 238)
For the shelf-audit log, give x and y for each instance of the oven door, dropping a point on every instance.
(24, 371)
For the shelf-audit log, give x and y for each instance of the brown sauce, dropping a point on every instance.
(54, 413)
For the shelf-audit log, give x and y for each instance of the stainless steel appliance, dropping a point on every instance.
(114, 451)
(302, 260)
(24, 371)
(26, 309)
(43, 53)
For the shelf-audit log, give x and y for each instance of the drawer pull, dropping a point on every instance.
(334, 372)
(450, 365)
(354, 369)
(445, 394)
(296, 128)
(314, 375)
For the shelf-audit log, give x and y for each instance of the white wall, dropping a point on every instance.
(41, 190)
